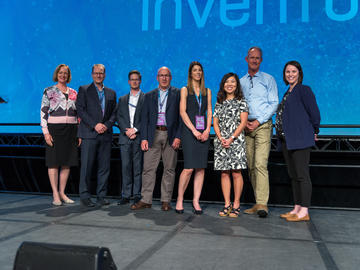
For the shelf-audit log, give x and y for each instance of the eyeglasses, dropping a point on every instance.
(98, 73)
(164, 76)
(134, 80)
(251, 82)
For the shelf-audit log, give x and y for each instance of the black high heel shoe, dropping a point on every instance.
(197, 212)
(179, 211)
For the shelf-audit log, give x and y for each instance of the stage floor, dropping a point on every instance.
(153, 239)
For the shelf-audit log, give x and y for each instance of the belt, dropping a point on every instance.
(162, 128)
(252, 120)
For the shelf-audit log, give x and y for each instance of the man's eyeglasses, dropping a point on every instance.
(254, 58)
(98, 73)
(164, 75)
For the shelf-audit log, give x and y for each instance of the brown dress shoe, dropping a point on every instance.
(165, 206)
(296, 218)
(262, 210)
(286, 215)
(251, 210)
(140, 205)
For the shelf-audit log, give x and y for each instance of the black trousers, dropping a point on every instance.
(92, 150)
(131, 167)
(297, 162)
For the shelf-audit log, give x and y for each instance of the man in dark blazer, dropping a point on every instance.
(128, 115)
(96, 106)
(160, 138)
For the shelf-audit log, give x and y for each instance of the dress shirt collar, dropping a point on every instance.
(257, 74)
(136, 95)
(163, 91)
(99, 90)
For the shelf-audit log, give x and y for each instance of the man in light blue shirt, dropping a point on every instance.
(261, 93)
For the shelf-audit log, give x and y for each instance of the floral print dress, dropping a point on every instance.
(234, 157)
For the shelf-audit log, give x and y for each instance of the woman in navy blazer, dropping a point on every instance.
(297, 125)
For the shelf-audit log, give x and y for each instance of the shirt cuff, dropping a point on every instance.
(261, 121)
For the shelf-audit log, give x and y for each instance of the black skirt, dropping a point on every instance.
(64, 151)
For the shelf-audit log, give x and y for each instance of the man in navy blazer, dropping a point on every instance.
(96, 106)
(128, 115)
(160, 138)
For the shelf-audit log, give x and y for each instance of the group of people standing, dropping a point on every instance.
(155, 124)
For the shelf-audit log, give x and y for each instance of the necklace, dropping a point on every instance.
(64, 91)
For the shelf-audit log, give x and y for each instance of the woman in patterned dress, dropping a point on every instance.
(59, 126)
(230, 118)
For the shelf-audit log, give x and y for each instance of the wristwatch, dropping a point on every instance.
(233, 137)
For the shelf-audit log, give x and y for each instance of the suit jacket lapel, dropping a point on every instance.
(170, 99)
(126, 106)
(106, 94)
(155, 99)
(139, 104)
(95, 96)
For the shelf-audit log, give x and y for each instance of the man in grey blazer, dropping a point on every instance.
(96, 106)
(160, 138)
(128, 115)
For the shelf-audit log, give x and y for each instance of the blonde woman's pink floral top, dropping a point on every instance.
(56, 109)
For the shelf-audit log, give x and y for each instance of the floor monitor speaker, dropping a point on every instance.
(41, 256)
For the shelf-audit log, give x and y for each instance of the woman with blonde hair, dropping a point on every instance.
(59, 126)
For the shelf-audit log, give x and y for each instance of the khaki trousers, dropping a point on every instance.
(258, 143)
(159, 149)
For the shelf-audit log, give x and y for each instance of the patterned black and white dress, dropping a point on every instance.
(234, 157)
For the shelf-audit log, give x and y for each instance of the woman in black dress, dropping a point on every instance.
(196, 113)
(59, 126)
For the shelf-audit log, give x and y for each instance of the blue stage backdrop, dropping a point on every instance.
(37, 35)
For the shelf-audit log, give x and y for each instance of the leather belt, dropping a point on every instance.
(162, 128)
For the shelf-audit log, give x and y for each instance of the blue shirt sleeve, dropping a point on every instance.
(272, 101)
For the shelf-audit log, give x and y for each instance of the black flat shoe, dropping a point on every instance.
(179, 211)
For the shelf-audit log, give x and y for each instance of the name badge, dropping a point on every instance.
(161, 119)
(199, 122)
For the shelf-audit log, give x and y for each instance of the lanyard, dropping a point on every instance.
(135, 96)
(161, 103)
(198, 100)
(131, 105)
